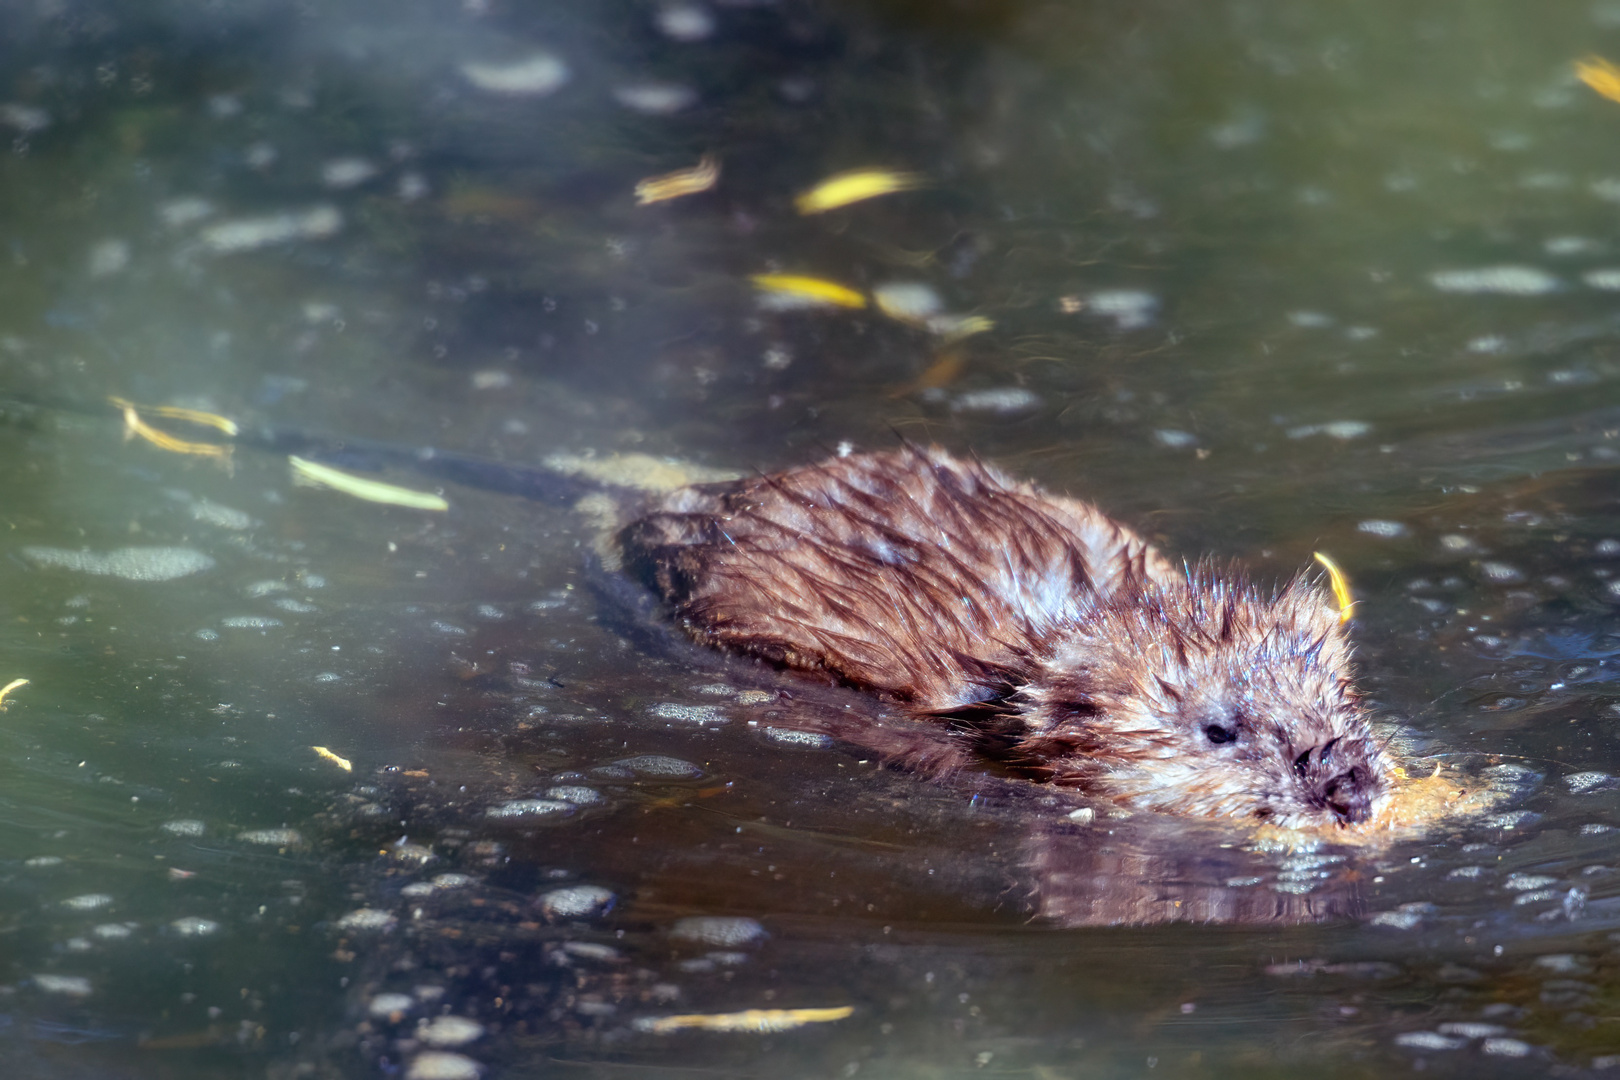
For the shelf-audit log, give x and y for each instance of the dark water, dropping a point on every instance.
(1265, 279)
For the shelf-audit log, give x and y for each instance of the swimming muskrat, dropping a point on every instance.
(1047, 636)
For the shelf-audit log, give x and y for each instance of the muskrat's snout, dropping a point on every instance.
(1347, 796)
(1338, 782)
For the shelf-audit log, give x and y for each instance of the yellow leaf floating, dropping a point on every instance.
(1600, 75)
(1340, 585)
(787, 291)
(763, 1020)
(313, 474)
(700, 177)
(341, 762)
(853, 187)
(14, 684)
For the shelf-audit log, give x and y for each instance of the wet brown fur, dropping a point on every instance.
(1053, 638)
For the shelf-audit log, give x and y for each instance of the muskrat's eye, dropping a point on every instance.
(1217, 734)
(1302, 763)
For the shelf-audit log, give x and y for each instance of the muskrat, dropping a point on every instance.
(1044, 634)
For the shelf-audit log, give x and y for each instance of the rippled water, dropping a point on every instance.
(306, 786)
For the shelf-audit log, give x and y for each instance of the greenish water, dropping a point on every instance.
(1265, 279)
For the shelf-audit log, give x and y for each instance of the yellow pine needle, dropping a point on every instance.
(808, 289)
(134, 425)
(1340, 584)
(748, 1020)
(315, 474)
(1600, 75)
(14, 684)
(700, 177)
(175, 412)
(341, 762)
(853, 187)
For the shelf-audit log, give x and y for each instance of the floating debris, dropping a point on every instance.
(390, 1007)
(443, 1065)
(576, 901)
(1526, 882)
(14, 684)
(444, 1031)
(186, 210)
(684, 22)
(529, 808)
(854, 186)
(1608, 280)
(366, 919)
(68, 985)
(1389, 530)
(727, 930)
(692, 714)
(250, 622)
(1496, 280)
(1499, 1047)
(108, 257)
(1175, 439)
(313, 474)
(212, 513)
(997, 401)
(326, 755)
(660, 765)
(1429, 1040)
(113, 931)
(1340, 585)
(347, 172)
(1582, 782)
(674, 185)
(184, 827)
(131, 563)
(1131, 309)
(199, 417)
(789, 737)
(956, 327)
(533, 76)
(405, 851)
(134, 427)
(88, 902)
(1343, 430)
(760, 1020)
(1602, 76)
(655, 99)
(590, 950)
(791, 292)
(272, 837)
(579, 796)
(250, 234)
(908, 301)
(194, 926)
(27, 119)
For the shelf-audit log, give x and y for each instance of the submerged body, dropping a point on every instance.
(1046, 635)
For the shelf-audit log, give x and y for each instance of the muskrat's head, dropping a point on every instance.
(1211, 699)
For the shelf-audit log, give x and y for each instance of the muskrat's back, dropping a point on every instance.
(1059, 636)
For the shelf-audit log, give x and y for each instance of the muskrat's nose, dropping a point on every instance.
(1347, 796)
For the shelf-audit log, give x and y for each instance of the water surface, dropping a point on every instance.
(1264, 278)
